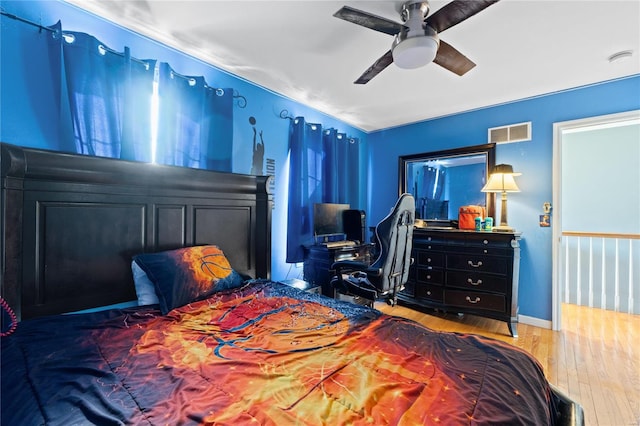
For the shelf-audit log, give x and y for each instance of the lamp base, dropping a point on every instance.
(503, 228)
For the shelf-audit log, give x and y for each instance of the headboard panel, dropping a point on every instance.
(71, 223)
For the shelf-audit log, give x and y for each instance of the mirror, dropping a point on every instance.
(443, 181)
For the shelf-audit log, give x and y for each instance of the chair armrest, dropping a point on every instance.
(346, 266)
(353, 265)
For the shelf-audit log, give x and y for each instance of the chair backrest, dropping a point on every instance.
(395, 237)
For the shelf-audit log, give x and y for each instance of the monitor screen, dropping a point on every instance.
(327, 218)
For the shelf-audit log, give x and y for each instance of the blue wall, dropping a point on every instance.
(26, 119)
(533, 159)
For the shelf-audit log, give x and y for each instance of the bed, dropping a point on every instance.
(83, 236)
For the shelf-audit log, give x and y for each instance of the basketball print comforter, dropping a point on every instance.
(263, 354)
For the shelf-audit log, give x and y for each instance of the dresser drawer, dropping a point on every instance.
(490, 240)
(432, 293)
(409, 289)
(490, 250)
(475, 300)
(430, 260)
(428, 246)
(477, 281)
(478, 263)
(429, 276)
(419, 238)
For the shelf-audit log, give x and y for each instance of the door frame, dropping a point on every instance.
(556, 217)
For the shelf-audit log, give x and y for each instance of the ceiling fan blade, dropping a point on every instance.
(449, 58)
(455, 12)
(375, 69)
(368, 20)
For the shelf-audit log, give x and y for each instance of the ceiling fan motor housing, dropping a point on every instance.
(417, 43)
(415, 9)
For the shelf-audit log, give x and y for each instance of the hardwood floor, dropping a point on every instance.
(595, 359)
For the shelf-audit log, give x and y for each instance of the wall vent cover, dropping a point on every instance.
(519, 132)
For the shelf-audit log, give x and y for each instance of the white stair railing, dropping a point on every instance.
(602, 275)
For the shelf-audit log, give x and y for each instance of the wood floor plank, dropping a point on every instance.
(595, 358)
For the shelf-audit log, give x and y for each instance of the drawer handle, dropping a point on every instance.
(428, 277)
(470, 281)
(475, 265)
(476, 300)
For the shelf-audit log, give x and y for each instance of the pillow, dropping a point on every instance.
(187, 274)
(145, 290)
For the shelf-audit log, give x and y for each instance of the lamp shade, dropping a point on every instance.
(501, 180)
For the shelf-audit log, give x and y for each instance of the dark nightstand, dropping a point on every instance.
(303, 285)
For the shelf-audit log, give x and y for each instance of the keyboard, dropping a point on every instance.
(338, 244)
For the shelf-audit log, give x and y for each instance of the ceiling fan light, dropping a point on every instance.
(415, 52)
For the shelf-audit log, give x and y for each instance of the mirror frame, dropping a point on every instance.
(488, 149)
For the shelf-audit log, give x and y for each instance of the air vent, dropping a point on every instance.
(513, 133)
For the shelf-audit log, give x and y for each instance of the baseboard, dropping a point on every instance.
(537, 322)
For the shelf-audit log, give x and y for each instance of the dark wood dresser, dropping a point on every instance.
(465, 272)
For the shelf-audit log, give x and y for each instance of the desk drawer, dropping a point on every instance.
(355, 255)
(478, 263)
(477, 281)
(432, 293)
(475, 300)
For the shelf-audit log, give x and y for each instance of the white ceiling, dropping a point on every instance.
(522, 48)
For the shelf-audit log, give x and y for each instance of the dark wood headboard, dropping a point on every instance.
(71, 223)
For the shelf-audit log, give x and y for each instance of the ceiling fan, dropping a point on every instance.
(416, 41)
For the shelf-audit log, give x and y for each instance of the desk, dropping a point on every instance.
(319, 258)
(302, 285)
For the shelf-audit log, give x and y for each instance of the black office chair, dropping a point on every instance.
(386, 276)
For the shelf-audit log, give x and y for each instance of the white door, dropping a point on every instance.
(596, 213)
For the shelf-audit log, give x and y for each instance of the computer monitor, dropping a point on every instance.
(327, 218)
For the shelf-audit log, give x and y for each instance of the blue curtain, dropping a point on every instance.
(110, 104)
(195, 122)
(324, 167)
(56, 69)
(341, 166)
(109, 98)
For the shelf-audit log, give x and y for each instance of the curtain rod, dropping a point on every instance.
(241, 100)
(284, 114)
(41, 27)
(26, 21)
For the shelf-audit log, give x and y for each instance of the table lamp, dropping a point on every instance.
(501, 180)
